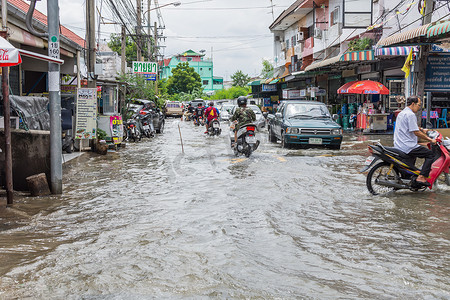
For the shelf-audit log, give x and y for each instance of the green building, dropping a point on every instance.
(204, 67)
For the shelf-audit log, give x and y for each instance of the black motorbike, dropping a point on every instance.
(148, 128)
(214, 128)
(247, 141)
(133, 129)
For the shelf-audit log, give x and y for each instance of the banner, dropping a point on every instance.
(86, 124)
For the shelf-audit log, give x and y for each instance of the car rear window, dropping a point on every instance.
(176, 105)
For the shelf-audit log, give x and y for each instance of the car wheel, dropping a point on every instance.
(283, 142)
(272, 137)
(336, 147)
(161, 128)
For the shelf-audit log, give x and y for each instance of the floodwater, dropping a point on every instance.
(149, 222)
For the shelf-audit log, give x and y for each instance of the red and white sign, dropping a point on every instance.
(9, 55)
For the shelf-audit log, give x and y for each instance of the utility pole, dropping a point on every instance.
(148, 31)
(90, 29)
(6, 116)
(123, 64)
(138, 29)
(423, 54)
(156, 58)
(54, 98)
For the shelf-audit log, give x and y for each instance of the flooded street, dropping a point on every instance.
(151, 222)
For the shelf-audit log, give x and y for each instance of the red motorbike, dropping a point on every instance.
(392, 169)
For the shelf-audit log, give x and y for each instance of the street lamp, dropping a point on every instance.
(177, 3)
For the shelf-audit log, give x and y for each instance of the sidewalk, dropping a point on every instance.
(69, 156)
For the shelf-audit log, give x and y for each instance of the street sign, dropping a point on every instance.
(150, 77)
(145, 67)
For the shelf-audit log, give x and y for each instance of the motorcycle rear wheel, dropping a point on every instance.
(381, 171)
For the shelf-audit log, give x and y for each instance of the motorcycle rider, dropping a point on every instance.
(189, 112)
(406, 137)
(198, 112)
(211, 113)
(242, 116)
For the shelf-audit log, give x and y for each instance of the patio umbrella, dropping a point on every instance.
(343, 89)
(9, 56)
(365, 87)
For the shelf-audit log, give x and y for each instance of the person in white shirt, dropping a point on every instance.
(406, 137)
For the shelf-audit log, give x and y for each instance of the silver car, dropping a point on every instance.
(260, 119)
(226, 111)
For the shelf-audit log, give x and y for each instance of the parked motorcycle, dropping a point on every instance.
(214, 128)
(147, 123)
(391, 169)
(133, 129)
(247, 141)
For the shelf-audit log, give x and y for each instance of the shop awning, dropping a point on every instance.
(358, 56)
(438, 29)
(394, 51)
(255, 82)
(323, 63)
(40, 56)
(274, 81)
(404, 36)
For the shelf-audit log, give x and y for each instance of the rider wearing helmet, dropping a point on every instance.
(211, 113)
(242, 115)
(198, 112)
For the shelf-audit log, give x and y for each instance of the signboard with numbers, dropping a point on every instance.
(86, 124)
(145, 67)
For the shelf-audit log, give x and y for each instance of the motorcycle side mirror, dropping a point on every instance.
(429, 125)
(265, 114)
(278, 115)
(335, 117)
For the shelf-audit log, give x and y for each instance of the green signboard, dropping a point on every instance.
(145, 67)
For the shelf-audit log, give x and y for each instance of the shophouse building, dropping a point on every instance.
(321, 45)
(203, 66)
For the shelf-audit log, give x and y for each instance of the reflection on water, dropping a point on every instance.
(151, 222)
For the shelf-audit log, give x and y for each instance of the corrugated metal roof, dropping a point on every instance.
(23, 6)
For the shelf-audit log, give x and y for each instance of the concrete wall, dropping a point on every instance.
(31, 155)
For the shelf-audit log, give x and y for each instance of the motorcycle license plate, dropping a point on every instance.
(146, 127)
(315, 141)
(250, 139)
(215, 125)
(369, 160)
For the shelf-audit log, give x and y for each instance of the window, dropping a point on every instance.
(189, 59)
(334, 16)
(205, 82)
(287, 44)
(201, 69)
(357, 14)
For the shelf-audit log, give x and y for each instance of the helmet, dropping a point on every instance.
(242, 100)
(199, 104)
(211, 103)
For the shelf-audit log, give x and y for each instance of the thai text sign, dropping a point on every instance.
(437, 77)
(269, 88)
(116, 125)
(145, 67)
(86, 124)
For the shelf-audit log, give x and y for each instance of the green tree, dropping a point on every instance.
(231, 93)
(240, 79)
(184, 79)
(115, 43)
(267, 69)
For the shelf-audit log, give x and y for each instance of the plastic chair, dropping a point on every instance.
(443, 118)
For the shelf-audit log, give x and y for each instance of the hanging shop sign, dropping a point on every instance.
(291, 94)
(145, 67)
(267, 102)
(274, 98)
(86, 122)
(437, 76)
(269, 88)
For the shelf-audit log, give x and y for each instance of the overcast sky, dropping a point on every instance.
(234, 32)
